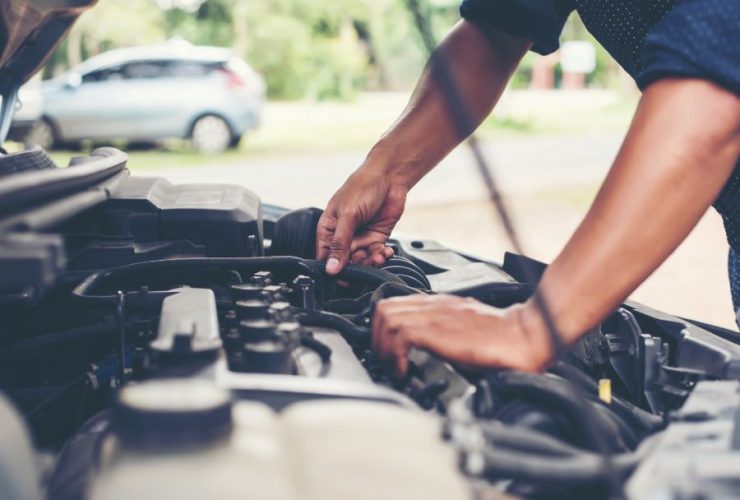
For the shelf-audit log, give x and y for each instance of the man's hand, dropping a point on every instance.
(360, 216)
(459, 329)
(359, 219)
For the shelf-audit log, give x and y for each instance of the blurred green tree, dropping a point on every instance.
(315, 49)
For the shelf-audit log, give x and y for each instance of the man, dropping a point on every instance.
(678, 158)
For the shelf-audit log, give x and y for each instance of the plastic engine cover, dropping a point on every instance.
(150, 218)
(313, 451)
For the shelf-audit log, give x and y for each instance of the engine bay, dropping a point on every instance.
(180, 341)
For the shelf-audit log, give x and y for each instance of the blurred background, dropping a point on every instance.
(286, 97)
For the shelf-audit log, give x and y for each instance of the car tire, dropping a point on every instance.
(211, 134)
(235, 141)
(42, 134)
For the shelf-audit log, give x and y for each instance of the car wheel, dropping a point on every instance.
(234, 142)
(211, 134)
(42, 134)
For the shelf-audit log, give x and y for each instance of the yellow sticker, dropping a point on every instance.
(605, 390)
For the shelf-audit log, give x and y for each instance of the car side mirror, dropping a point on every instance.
(73, 80)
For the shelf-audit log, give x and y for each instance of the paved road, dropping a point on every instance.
(521, 164)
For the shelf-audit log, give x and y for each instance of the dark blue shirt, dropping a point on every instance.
(650, 39)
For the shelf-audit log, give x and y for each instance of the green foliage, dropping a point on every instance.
(313, 49)
(280, 48)
(307, 48)
(115, 24)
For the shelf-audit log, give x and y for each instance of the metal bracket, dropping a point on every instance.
(7, 110)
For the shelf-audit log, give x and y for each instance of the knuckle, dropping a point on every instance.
(328, 221)
(351, 212)
(337, 245)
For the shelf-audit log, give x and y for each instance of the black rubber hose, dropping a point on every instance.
(97, 288)
(351, 332)
(583, 469)
(323, 350)
(626, 432)
(366, 274)
(348, 306)
(580, 469)
(527, 440)
(642, 419)
(385, 291)
(408, 271)
(561, 394)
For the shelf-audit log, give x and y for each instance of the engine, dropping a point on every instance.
(164, 341)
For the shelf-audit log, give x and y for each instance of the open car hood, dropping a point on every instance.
(29, 31)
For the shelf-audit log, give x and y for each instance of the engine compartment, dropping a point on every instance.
(157, 337)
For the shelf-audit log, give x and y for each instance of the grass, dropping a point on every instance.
(315, 128)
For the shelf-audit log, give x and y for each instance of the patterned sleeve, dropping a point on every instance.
(697, 39)
(541, 21)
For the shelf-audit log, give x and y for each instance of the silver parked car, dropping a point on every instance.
(145, 94)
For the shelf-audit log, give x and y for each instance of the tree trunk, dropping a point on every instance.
(74, 47)
(240, 28)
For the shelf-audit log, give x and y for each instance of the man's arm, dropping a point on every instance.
(681, 149)
(360, 216)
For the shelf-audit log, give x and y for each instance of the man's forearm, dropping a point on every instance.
(481, 65)
(681, 149)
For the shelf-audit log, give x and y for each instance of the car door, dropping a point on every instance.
(87, 105)
(170, 90)
(150, 101)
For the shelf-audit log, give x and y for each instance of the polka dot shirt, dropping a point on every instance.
(650, 39)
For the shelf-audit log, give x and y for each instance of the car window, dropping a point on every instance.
(145, 70)
(102, 75)
(188, 69)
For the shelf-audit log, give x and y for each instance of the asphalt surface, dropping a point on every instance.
(521, 164)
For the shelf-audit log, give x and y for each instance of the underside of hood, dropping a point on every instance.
(29, 31)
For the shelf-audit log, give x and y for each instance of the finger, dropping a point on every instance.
(399, 349)
(324, 234)
(377, 259)
(377, 326)
(401, 353)
(386, 341)
(388, 252)
(367, 239)
(358, 257)
(376, 255)
(382, 332)
(339, 247)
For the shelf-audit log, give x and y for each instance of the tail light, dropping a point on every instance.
(233, 80)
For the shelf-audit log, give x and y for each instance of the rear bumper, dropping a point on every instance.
(245, 121)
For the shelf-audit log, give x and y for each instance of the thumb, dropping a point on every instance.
(339, 247)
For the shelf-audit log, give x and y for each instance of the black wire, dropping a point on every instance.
(465, 126)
